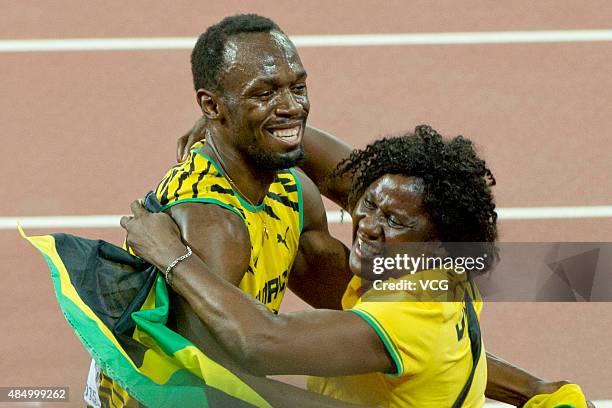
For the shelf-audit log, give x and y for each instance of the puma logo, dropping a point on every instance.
(282, 240)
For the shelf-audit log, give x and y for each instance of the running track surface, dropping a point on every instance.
(87, 132)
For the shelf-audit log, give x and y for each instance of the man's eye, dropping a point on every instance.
(299, 88)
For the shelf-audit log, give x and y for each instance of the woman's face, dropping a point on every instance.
(390, 211)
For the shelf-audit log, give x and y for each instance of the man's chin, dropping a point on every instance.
(274, 161)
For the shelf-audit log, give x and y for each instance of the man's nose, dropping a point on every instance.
(288, 105)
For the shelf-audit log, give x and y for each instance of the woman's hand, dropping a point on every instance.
(155, 237)
(184, 143)
(548, 387)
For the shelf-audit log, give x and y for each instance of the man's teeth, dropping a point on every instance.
(286, 132)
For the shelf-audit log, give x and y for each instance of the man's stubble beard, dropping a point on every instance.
(270, 161)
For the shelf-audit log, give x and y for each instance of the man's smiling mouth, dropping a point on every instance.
(288, 134)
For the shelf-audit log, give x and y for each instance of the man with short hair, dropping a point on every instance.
(237, 200)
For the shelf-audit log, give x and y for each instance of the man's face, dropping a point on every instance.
(264, 98)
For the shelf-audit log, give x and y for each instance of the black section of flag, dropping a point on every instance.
(112, 282)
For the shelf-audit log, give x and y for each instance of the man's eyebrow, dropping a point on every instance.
(261, 81)
(302, 75)
(270, 80)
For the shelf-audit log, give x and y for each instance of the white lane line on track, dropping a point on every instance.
(333, 217)
(347, 40)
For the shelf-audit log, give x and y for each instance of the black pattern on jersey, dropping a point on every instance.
(194, 188)
(182, 179)
(216, 188)
(288, 183)
(268, 210)
(164, 198)
(291, 188)
(284, 177)
(284, 201)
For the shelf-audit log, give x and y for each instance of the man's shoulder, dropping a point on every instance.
(197, 179)
(311, 197)
(306, 184)
(196, 220)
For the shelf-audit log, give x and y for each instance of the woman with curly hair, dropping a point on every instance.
(401, 352)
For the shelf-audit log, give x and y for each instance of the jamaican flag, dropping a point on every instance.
(118, 305)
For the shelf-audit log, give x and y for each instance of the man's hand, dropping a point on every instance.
(155, 237)
(184, 143)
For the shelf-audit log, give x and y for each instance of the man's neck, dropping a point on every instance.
(251, 183)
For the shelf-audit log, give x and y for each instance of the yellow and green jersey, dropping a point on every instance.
(274, 225)
(429, 344)
(274, 228)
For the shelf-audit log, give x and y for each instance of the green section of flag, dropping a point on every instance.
(118, 307)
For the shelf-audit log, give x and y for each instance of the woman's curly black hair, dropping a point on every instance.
(457, 183)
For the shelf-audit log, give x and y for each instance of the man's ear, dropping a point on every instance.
(209, 103)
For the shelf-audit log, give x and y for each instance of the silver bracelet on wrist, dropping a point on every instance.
(168, 272)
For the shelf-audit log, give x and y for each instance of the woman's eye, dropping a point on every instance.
(368, 204)
(393, 223)
(263, 94)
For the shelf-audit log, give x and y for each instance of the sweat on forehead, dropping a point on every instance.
(260, 47)
(207, 55)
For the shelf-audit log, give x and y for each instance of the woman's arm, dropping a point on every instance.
(277, 393)
(317, 342)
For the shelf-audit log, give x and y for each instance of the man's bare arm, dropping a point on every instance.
(323, 153)
(320, 273)
(217, 235)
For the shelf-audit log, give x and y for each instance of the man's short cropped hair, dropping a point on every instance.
(207, 55)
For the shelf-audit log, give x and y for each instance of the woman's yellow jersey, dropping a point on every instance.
(429, 343)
